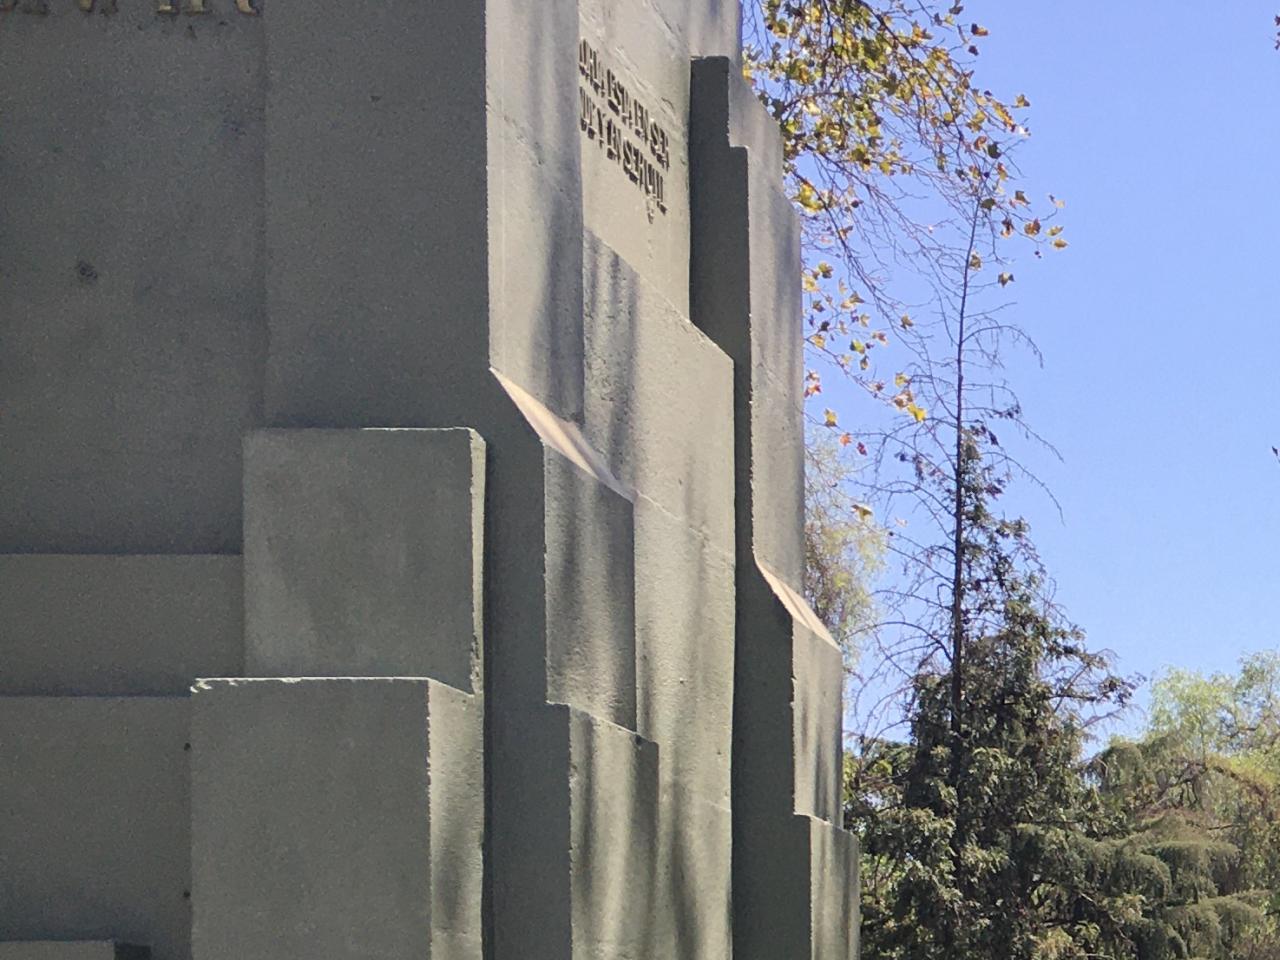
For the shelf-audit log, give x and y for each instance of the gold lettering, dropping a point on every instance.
(165, 6)
(246, 7)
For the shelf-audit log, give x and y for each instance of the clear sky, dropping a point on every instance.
(1159, 123)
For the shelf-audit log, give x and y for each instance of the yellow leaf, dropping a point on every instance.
(907, 322)
(1060, 244)
(975, 262)
(864, 512)
(901, 380)
(918, 412)
(1032, 228)
(831, 419)
(1006, 279)
(808, 198)
(819, 341)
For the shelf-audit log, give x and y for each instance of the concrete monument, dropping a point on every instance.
(401, 496)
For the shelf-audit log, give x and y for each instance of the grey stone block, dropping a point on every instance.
(817, 716)
(95, 821)
(71, 950)
(777, 478)
(576, 879)
(334, 817)
(363, 553)
(590, 593)
(684, 652)
(710, 28)
(659, 401)
(534, 200)
(376, 190)
(613, 802)
(797, 893)
(834, 891)
(633, 42)
(693, 916)
(134, 324)
(113, 626)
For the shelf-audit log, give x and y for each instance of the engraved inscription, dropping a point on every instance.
(623, 128)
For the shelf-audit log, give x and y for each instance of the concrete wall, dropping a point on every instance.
(420, 385)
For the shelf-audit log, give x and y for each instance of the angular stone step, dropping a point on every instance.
(71, 950)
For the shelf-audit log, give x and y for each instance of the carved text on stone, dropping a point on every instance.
(623, 128)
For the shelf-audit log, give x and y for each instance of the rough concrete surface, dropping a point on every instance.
(336, 815)
(363, 553)
(431, 379)
(95, 821)
(117, 625)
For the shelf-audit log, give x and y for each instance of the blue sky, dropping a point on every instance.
(1159, 123)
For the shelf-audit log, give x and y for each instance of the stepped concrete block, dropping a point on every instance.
(800, 891)
(777, 479)
(817, 716)
(684, 646)
(693, 914)
(95, 821)
(710, 28)
(793, 868)
(834, 897)
(534, 257)
(375, 185)
(613, 803)
(117, 625)
(71, 950)
(635, 47)
(134, 324)
(590, 593)
(329, 813)
(659, 403)
(588, 812)
(363, 553)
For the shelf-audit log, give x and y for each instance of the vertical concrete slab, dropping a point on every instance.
(95, 821)
(613, 798)
(793, 868)
(134, 330)
(590, 571)
(588, 835)
(117, 625)
(376, 193)
(332, 816)
(363, 553)
(632, 103)
(534, 197)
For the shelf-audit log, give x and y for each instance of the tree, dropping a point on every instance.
(901, 168)
(978, 844)
(844, 546)
(1197, 795)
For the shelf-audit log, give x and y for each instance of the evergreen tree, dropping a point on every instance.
(978, 830)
